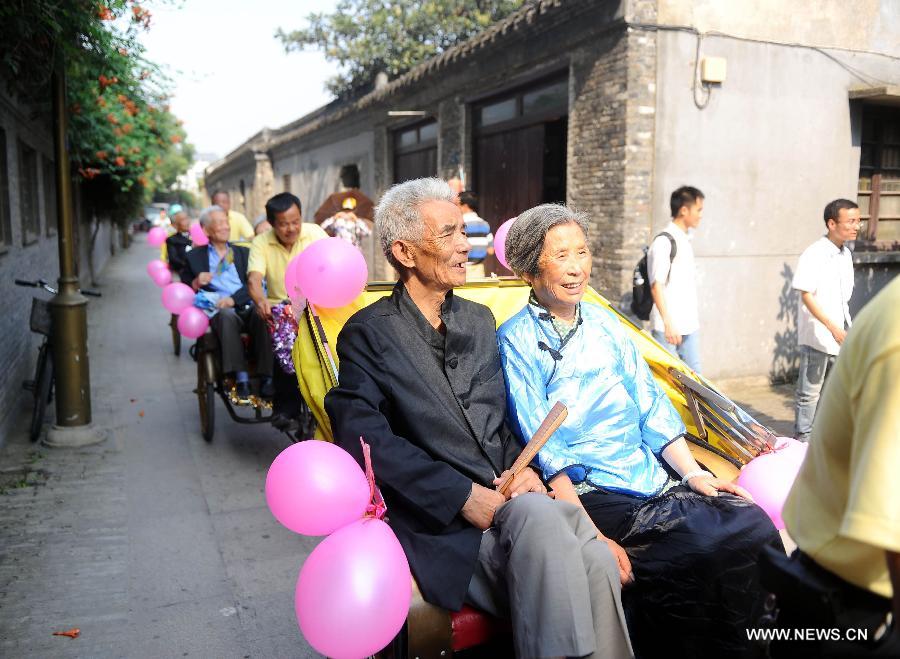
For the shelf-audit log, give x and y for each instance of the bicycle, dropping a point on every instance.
(41, 386)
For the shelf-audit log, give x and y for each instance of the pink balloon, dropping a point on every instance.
(177, 297)
(192, 323)
(315, 488)
(197, 236)
(155, 266)
(162, 277)
(157, 236)
(769, 477)
(354, 590)
(331, 273)
(500, 241)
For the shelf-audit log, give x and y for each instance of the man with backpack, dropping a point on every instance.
(671, 276)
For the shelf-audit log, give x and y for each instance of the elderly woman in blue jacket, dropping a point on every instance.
(687, 542)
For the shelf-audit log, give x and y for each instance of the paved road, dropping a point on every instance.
(153, 543)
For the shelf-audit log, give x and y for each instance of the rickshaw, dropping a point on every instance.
(212, 382)
(722, 437)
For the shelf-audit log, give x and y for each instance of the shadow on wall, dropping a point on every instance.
(785, 358)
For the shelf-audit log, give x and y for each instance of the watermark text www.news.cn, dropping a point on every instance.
(808, 634)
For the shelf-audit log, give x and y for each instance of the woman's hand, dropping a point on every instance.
(626, 574)
(710, 486)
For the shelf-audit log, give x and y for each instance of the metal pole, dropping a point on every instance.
(68, 308)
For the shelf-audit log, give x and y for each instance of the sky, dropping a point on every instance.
(230, 76)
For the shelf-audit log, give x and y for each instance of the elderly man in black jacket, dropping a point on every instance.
(220, 268)
(420, 381)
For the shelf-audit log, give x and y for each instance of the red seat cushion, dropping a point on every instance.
(471, 627)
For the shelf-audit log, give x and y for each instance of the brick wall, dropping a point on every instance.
(33, 258)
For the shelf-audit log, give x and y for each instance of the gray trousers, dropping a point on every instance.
(541, 566)
(814, 368)
(228, 324)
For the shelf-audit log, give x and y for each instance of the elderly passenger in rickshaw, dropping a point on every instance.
(218, 274)
(692, 539)
(420, 380)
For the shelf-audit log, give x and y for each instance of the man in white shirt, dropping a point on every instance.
(674, 320)
(824, 278)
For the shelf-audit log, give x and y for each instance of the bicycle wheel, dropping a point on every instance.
(176, 336)
(206, 397)
(43, 381)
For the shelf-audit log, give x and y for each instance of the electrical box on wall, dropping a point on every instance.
(712, 69)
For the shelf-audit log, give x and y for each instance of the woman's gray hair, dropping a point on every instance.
(397, 215)
(206, 214)
(525, 240)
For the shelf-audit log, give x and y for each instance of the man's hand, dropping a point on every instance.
(839, 334)
(201, 280)
(626, 574)
(225, 303)
(480, 506)
(264, 309)
(526, 481)
(711, 487)
(672, 336)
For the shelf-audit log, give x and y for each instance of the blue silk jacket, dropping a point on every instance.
(619, 419)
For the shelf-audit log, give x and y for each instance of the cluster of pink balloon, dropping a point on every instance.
(177, 298)
(330, 273)
(769, 476)
(354, 589)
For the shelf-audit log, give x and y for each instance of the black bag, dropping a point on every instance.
(807, 596)
(641, 298)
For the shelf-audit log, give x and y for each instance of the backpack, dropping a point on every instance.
(641, 298)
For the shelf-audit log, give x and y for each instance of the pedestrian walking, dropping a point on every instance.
(674, 320)
(824, 279)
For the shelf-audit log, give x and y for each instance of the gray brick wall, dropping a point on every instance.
(37, 259)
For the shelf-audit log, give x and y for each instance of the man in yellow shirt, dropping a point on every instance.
(844, 508)
(270, 253)
(241, 229)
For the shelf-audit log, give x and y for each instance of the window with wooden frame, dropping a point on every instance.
(415, 151)
(29, 209)
(5, 227)
(879, 178)
(50, 219)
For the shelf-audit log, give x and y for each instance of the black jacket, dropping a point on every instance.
(177, 247)
(197, 261)
(433, 429)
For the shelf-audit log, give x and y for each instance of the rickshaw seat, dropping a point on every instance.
(435, 632)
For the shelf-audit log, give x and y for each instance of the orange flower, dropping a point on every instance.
(134, 149)
(120, 161)
(101, 101)
(127, 128)
(122, 98)
(175, 139)
(111, 118)
(118, 148)
(118, 132)
(101, 155)
(105, 13)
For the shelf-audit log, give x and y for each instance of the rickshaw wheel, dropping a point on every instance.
(176, 336)
(206, 398)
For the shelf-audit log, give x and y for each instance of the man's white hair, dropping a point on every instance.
(206, 214)
(397, 215)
